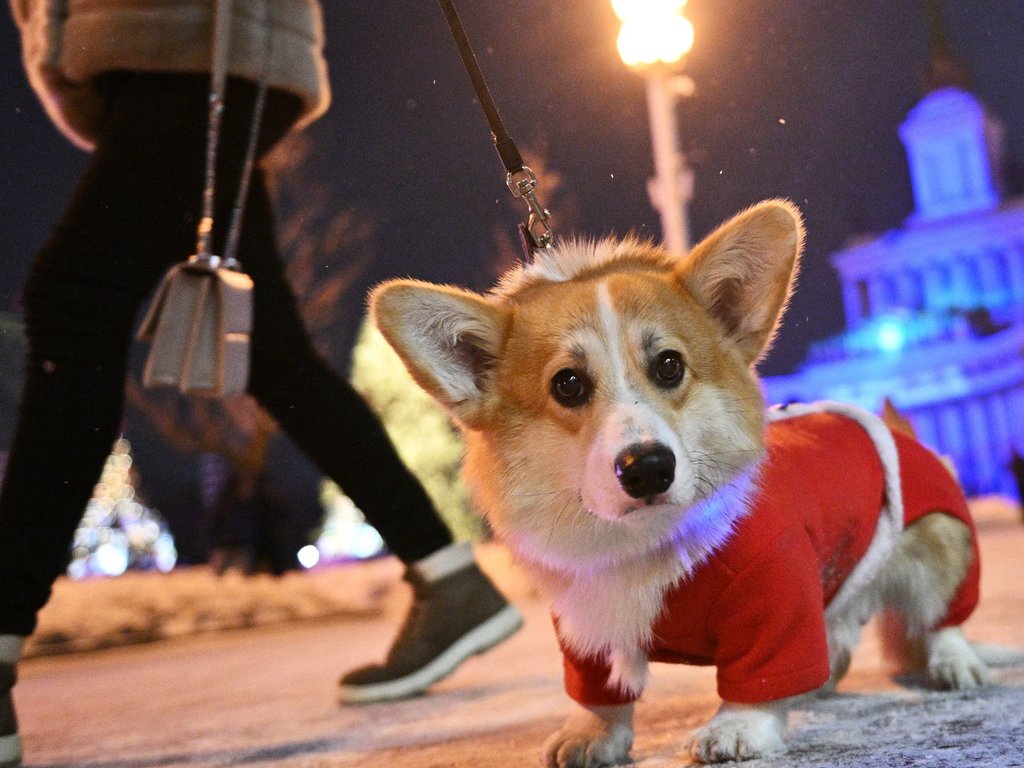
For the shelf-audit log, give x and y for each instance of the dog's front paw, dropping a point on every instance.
(952, 663)
(591, 737)
(739, 732)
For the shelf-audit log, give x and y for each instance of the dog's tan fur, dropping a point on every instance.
(541, 469)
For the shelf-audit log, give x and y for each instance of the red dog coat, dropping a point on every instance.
(756, 607)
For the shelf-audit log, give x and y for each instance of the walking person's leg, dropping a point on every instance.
(456, 611)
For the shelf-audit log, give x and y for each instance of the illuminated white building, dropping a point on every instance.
(935, 309)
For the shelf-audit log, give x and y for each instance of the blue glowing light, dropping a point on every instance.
(891, 335)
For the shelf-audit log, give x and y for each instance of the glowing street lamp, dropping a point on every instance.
(653, 31)
(654, 38)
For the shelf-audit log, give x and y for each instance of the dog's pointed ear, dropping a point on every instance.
(448, 338)
(744, 273)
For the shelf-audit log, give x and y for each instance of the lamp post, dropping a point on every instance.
(653, 40)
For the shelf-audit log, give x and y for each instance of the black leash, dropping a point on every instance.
(521, 181)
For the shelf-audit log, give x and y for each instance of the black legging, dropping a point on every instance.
(132, 215)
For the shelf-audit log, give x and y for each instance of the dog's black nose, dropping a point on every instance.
(646, 469)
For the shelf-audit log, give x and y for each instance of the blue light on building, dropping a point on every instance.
(935, 309)
(891, 335)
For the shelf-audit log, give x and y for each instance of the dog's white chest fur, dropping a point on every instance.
(610, 612)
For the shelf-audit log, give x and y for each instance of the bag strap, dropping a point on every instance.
(521, 181)
(218, 85)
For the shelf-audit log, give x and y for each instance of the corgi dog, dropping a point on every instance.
(618, 441)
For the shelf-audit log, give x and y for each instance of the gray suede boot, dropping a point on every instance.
(456, 613)
(10, 741)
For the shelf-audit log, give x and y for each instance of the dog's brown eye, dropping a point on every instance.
(570, 388)
(667, 368)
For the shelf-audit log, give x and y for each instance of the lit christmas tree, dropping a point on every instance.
(425, 439)
(118, 532)
(421, 431)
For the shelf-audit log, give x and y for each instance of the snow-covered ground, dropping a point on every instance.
(263, 696)
(138, 607)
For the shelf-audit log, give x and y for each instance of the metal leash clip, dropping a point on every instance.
(523, 183)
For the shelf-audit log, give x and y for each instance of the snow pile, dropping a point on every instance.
(145, 606)
(140, 607)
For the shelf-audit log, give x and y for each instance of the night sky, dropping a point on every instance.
(795, 98)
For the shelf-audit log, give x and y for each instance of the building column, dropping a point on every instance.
(979, 442)
(851, 303)
(936, 292)
(966, 290)
(1014, 401)
(879, 294)
(925, 428)
(999, 429)
(951, 433)
(1013, 258)
(992, 274)
(909, 291)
